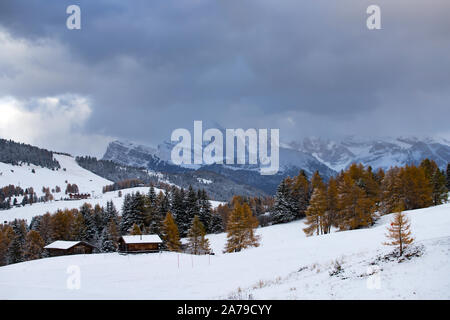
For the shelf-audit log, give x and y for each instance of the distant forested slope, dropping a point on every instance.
(111, 170)
(16, 153)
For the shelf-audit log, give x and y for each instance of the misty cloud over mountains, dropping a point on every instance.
(148, 67)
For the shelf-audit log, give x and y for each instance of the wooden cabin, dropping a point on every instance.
(61, 248)
(140, 243)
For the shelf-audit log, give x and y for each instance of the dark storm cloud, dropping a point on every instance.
(310, 67)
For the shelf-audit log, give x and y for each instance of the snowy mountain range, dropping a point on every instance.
(310, 154)
(158, 159)
(377, 153)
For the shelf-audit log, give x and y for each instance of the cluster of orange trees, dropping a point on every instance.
(355, 197)
(22, 242)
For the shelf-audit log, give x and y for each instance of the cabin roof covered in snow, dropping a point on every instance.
(61, 244)
(145, 238)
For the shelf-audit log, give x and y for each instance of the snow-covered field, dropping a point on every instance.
(287, 265)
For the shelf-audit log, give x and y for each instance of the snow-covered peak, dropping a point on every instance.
(382, 152)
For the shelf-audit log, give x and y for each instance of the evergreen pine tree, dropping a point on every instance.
(24, 200)
(138, 209)
(152, 196)
(192, 201)
(98, 216)
(16, 250)
(110, 236)
(284, 209)
(429, 167)
(110, 213)
(191, 209)
(163, 204)
(127, 220)
(216, 223)
(152, 217)
(440, 191)
(35, 222)
(92, 235)
(448, 177)
(178, 203)
(106, 244)
(205, 211)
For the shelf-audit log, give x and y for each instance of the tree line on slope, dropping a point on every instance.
(113, 171)
(124, 184)
(16, 153)
(9, 195)
(355, 197)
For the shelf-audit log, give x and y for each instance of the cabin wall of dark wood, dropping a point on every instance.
(136, 247)
(78, 249)
(142, 246)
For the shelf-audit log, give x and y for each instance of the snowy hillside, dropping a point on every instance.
(70, 172)
(287, 265)
(37, 177)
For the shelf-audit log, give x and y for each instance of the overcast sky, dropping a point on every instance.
(139, 69)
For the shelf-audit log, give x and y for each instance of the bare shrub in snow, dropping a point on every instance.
(336, 268)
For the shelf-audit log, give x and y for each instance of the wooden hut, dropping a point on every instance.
(61, 248)
(140, 243)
